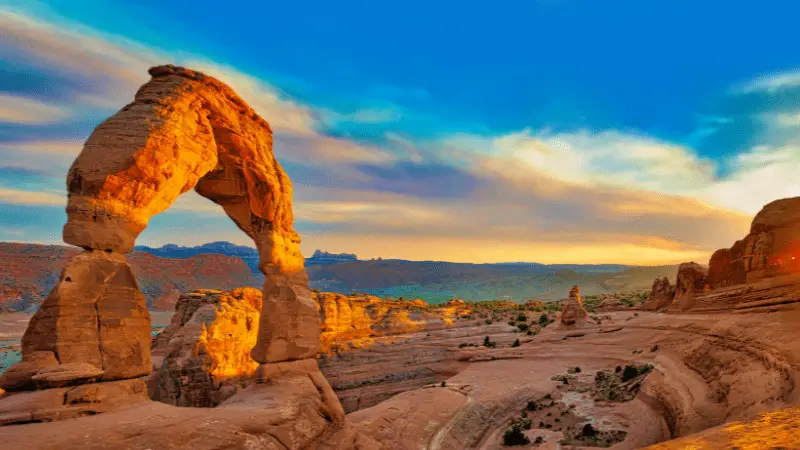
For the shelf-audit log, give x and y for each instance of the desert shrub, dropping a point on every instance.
(444, 383)
(514, 436)
(532, 405)
(516, 343)
(544, 320)
(522, 317)
(522, 326)
(488, 321)
(574, 370)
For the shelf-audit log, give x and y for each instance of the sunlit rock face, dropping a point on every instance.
(572, 310)
(184, 130)
(203, 357)
(772, 248)
(207, 344)
(350, 321)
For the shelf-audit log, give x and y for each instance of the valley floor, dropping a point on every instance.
(432, 390)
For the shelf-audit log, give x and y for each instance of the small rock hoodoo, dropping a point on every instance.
(572, 310)
(183, 131)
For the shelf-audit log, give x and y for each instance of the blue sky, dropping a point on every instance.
(551, 130)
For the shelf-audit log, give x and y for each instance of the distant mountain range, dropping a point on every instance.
(436, 281)
(29, 271)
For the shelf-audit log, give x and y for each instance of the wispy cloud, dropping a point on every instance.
(17, 109)
(18, 197)
(771, 83)
(568, 196)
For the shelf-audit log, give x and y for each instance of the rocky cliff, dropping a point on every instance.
(203, 357)
(31, 270)
(762, 269)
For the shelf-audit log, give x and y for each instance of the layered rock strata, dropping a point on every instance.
(572, 310)
(203, 357)
(661, 295)
(184, 130)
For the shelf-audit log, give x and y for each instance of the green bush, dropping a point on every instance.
(516, 343)
(544, 320)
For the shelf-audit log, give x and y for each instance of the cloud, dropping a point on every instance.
(17, 109)
(771, 83)
(567, 196)
(18, 197)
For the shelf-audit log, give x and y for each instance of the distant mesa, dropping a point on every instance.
(321, 258)
(248, 254)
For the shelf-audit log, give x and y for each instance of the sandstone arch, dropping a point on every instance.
(183, 131)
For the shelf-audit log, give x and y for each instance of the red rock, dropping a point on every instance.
(183, 130)
(572, 310)
(692, 278)
(772, 248)
(661, 295)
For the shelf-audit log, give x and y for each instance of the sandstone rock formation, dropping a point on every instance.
(345, 320)
(661, 295)
(692, 279)
(772, 248)
(95, 318)
(572, 310)
(203, 357)
(184, 130)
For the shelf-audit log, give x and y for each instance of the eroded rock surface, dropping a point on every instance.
(183, 130)
(772, 247)
(661, 295)
(572, 310)
(95, 318)
(203, 356)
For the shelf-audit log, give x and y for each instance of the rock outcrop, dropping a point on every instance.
(203, 357)
(184, 130)
(661, 295)
(572, 310)
(772, 248)
(350, 321)
(760, 270)
(692, 279)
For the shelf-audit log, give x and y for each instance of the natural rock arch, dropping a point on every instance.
(184, 130)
